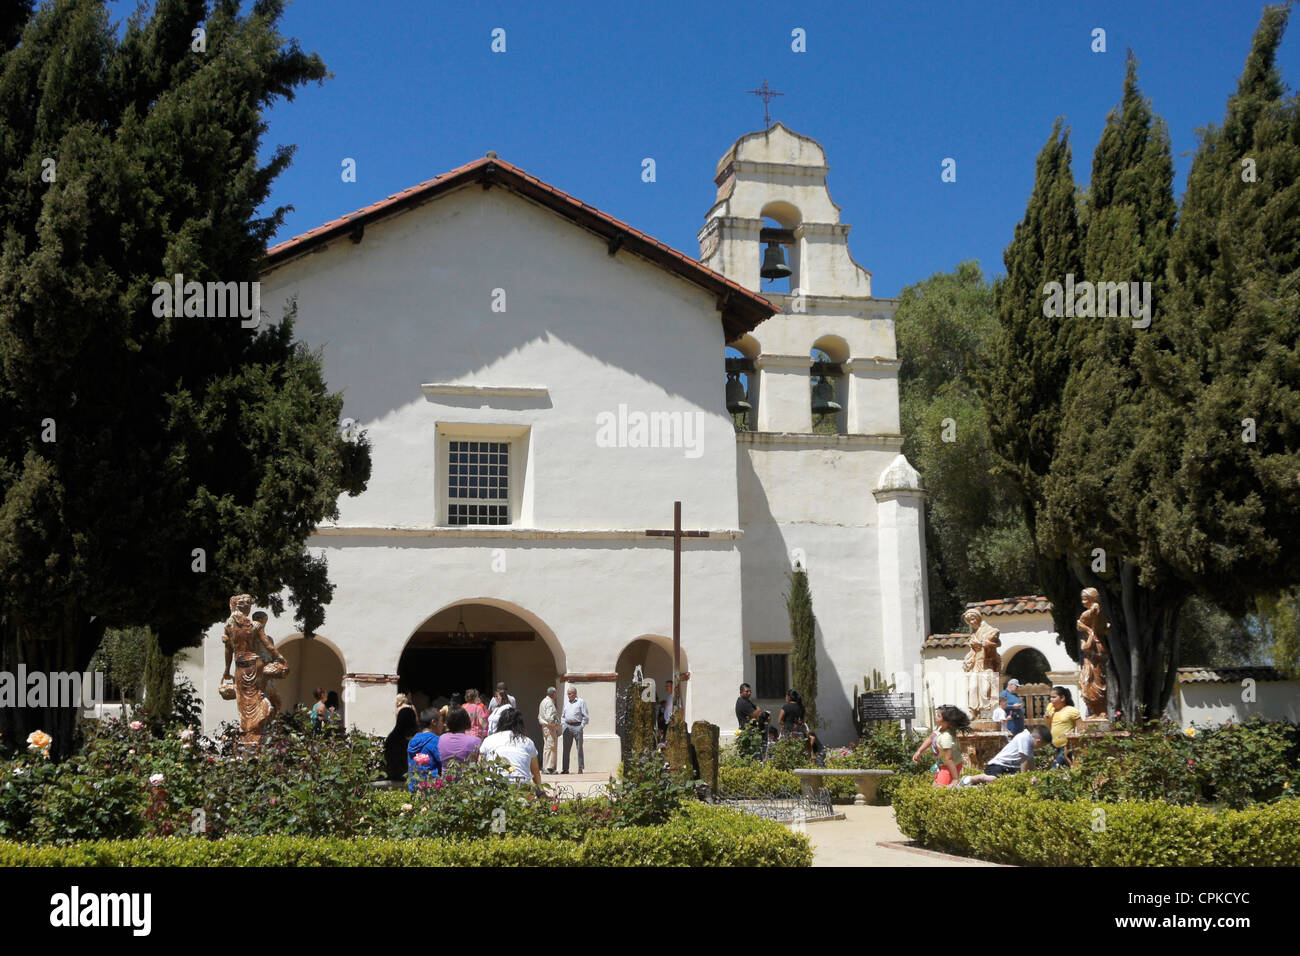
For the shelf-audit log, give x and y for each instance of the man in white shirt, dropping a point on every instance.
(1015, 757)
(495, 702)
(575, 718)
(548, 715)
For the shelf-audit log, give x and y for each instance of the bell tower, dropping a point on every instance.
(823, 480)
(773, 205)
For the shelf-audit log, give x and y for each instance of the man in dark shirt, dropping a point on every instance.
(746, 709)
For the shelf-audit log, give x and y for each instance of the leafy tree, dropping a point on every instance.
(150, 465)
(977, 545)
(803, 643)
(121, 657)
(1024, 385)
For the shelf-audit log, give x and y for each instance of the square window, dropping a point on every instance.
(478, 473)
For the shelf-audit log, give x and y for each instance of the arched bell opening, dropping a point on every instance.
(828, 386)
(779, 268)
(742, 383)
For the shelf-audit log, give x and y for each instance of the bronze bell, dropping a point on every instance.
(823, 398)
(736, 403)
(774, 266)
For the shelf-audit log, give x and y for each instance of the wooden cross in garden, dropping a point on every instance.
(677, 534)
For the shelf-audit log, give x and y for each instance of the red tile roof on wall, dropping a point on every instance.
(741, 309)
(1226, 675)
(1030, 604)
(946, 640)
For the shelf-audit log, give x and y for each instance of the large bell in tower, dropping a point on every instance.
(823, 398)
(736, 403)
(774, 266)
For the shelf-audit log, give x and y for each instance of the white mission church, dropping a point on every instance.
(540, 382)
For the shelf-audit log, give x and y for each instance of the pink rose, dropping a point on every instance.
(273, 801)
(137, 725)
(423, 760)
(437, 783)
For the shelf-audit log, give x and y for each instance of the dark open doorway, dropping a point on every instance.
(434, 673)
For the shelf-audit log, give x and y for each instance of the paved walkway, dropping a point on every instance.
(853, 842)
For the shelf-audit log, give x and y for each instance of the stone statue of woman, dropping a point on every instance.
(245, 640)
(1092, 624)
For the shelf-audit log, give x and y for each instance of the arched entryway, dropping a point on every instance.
(475, 643)
(654, 654)
(313, 662)
(1025, 664)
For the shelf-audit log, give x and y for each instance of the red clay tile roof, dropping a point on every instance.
(741, 309)
(1029, 604)
(946, 640)
(1226, 675)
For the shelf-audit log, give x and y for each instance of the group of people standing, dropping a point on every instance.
(1017, 755)
(420, 747)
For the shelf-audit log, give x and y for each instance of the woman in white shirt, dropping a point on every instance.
(512, 744)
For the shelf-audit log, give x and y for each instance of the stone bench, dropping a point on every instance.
(867, 780)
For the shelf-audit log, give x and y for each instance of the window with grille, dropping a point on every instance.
(478, 482)
(769, 675)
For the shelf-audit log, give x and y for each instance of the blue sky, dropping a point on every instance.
(585, 91)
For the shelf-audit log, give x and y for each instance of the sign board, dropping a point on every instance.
(879, 706)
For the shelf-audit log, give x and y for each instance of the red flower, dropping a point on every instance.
(555, 807)
(1191, 763)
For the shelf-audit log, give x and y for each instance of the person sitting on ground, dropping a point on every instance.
(1015, 757)
(792, 713)
(457, 743)
(501, 703)
(396, 742)
(952, 720)
(512, 744)
(424, 744)
(1065, 717)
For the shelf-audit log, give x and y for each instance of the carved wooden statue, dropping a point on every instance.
(1095, 629)
(246, 642)
(983, 663)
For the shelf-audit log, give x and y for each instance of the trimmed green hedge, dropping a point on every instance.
(1005, 825)
(702, 836)
(756, 780)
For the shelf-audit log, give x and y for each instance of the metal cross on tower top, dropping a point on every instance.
(767, 95)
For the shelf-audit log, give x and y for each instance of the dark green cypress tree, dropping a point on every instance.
(1229, 372)
(803, 643)
(149, 466)
(1023, 387)
(1102, 469)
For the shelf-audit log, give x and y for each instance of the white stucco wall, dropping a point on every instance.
(411, 304)
(1212, 704)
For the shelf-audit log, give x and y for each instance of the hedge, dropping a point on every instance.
(702, 836)
(756, 781)
(1003, 825)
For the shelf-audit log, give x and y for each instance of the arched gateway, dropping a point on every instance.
(475, 643)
